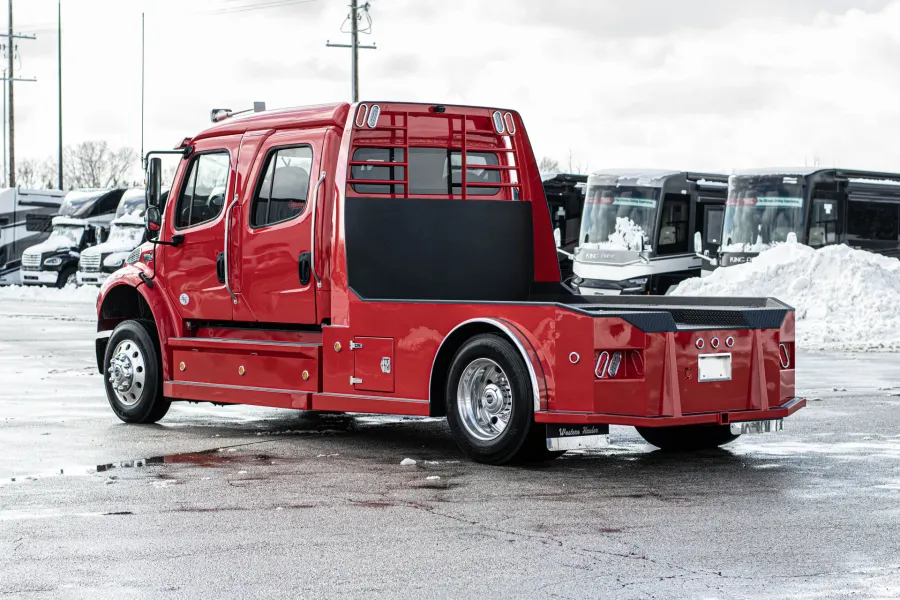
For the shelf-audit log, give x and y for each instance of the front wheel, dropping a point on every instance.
(133, 373)
(490, 406)
(688, 438)
(66, 278)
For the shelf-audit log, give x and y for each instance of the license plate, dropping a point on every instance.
(714, 367)
(576, 437)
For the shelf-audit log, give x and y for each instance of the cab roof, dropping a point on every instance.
(320, 115)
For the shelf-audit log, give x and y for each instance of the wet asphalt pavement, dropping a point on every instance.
(242, 502)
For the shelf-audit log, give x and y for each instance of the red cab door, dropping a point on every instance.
(277, 281)
(194, 270)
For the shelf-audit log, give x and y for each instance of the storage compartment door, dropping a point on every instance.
(373, 364)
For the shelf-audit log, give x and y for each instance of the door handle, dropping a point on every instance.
(303, 268)
(220, 267)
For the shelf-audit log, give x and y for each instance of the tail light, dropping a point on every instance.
(785, 355)
(619, 364)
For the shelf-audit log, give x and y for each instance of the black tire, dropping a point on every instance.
(149, 405)
(688, 438)
(522, 439)
(64, 275)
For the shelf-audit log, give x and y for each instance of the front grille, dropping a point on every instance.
(31, 262)
(90, 263)
(134, 256)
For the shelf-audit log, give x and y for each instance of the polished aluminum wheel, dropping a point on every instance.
(484, 399)
(127, 372)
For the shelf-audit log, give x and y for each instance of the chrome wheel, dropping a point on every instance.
(127, 372)
(484, 399)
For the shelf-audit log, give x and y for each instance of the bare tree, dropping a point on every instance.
(47, 170)
(577, 166)
(548, 165)
(96, 165)
(27, 173)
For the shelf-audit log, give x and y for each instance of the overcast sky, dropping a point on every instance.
(682, 84)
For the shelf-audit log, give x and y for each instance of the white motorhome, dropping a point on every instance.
(126, 233)
(16, 206)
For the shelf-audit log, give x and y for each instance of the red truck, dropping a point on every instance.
(398, 258)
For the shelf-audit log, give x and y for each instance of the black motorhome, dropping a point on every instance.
(83, 221)
(820, 206)
(637, 229)
(565, 198)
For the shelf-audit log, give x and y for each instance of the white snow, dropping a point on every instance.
(132, 218)
(68, 294)
(69, 222)
(407, 462)
(845, 299)
(433, 477)
(625, 237)
(875, 181)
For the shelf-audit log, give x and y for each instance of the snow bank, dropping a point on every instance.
(845, 299)
(82, 294)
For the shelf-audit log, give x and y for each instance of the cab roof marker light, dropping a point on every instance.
(602, 363)
(510, 124)
(498, 122)
(614, 363)
(374, 112)
(361, 114)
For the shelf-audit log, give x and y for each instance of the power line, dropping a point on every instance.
(237, 9)
(356, 13)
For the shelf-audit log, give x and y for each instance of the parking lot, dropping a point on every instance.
(246, 502)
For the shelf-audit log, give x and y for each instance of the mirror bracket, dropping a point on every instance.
(177, 240)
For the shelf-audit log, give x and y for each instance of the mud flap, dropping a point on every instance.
(576, 437)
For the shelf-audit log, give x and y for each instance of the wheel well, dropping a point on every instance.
(452, 343)
(122, 303)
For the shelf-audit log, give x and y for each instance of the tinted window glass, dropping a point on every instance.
(674, 225)
(432, 171)
(873, 221)
(823, 223)
(203, 194)
(283, 192)
(715, 219)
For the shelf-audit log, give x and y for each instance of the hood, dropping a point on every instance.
(54, 243)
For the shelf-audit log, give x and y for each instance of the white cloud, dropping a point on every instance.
(618, 84)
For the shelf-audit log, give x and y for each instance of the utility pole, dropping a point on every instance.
(11, 78)
(354, 44)
(59, 63)
(142, 88)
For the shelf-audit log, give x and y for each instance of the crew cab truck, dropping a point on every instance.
(82, 221)
(639, 230)
(399, 258)
(126, 232)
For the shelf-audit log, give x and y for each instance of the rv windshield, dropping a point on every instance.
(614, 216)
(66, 235)
(761, 211)
(126, 235)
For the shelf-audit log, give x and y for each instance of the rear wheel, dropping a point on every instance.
(489, 404)
(688, 438)
(133, 373)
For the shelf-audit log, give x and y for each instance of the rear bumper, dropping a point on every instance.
(721, 418)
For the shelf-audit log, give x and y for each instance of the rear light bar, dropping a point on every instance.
(619, 364)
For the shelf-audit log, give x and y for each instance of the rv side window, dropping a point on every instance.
(674, 224)
(823, 223)
(202, 194)
(282, 193)
(432, 171)
(875, 221)
(715, 219)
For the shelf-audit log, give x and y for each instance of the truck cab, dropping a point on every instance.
(82, 221)
(638, 230)
(126, 233)
(17, 206)
(399, 258)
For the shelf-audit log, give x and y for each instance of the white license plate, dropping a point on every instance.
(714, 367)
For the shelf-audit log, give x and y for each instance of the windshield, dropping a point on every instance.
(132, 203)
(126, 235)
(614, 216)
(761, 211)
(66, 235)
(78, 204)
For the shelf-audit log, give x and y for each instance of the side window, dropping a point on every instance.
(202, 196)
(283, 191)
(674, 225)
(823, 223)
(715, 220)
(874, 221)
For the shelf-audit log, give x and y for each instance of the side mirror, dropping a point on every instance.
(698, 243)
(154, 182)
(639, 242)
(557, 237)
(152, 222)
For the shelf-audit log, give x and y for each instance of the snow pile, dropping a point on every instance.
(845, 299)
(625, 237)
(82, 294)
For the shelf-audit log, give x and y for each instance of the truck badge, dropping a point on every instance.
(183, 299)
(385, 365)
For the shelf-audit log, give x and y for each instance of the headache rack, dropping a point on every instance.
(396, 124)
